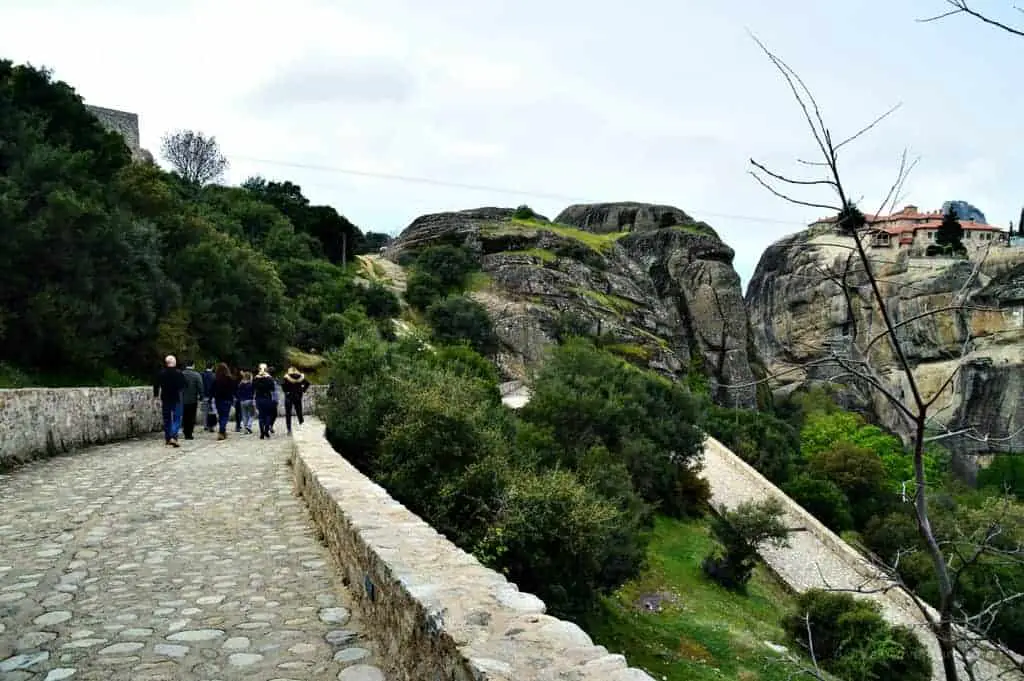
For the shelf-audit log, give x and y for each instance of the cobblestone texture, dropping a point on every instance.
(138, 561)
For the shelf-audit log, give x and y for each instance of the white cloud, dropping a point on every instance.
(651, 100)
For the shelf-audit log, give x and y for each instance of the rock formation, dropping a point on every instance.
(656, 286)
(800, 319)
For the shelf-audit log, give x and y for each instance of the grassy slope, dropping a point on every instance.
(709, 632)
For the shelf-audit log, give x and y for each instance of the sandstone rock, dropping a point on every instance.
(800, 318)
(663, 295)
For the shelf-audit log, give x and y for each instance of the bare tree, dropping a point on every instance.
(194, 156)
(950, 627)
(961, 7)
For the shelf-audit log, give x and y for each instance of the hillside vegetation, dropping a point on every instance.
(108, 265)
(590, 496)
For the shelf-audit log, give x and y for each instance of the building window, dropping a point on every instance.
(931, 236)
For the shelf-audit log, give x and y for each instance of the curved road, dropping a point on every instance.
(138, 561)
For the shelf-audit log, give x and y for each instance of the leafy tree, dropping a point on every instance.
(765, 442)
(949, 236)
(523, 212)
(1006, 472)
(849, 637)
(461, 319)
(194, 156)
(823, 499)
(588, 398)
(742, 531)
(449, 265)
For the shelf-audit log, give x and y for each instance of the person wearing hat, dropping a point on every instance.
(294, 385)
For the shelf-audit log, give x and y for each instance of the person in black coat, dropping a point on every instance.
(168, 387)
(294, 385)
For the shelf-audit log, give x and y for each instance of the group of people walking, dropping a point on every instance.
(218, 391)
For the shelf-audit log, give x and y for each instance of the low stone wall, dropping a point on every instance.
(36, 422)
(437, 612)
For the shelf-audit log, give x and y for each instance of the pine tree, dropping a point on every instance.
(950, 235)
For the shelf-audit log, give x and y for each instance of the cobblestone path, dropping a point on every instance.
(138, 561)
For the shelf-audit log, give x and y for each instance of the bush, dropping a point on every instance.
(379, 302)
(450, 266)
(822, 499)
(859, 473)
(557, 538)
(1006, 472)
(460, 319)
(850, 638)
(742, 531)
(588, 398)
(767, 443)
(523, 212)
(422, 289)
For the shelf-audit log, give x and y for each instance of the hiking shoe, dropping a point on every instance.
(174, 443)
(222, 436)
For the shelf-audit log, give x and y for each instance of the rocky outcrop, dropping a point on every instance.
(665, 297)
(805, 330)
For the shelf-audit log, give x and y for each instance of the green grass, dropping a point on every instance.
(478, 281)
(707, 633)
(629, 351)
(694, 229)
(657, 339)
(612, 302)
(598, 242)
(542, 254)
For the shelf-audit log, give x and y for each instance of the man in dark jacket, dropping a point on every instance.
(209, 421)
(190, 398)
(168, 387)
(294, 385)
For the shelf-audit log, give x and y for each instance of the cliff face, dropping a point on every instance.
(805, 330)
(655, 285)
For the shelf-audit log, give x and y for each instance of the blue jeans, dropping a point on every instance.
(223, 411)
(171, 412)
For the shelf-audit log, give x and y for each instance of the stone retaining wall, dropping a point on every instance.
(437, 612)
(37, 422)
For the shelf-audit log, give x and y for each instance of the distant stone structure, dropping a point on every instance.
(125, 124)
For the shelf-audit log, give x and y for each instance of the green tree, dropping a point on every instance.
(461, 319)
(742, 531)
(949, 237)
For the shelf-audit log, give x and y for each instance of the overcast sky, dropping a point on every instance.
(648, 100)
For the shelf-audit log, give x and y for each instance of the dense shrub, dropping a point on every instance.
(588, 398)
(767, 443)
(523, 212)
(422, 289)
(742, 531)
(460, 319)
(1006, 472)
(449, 265)
(850, 638)
(823, 499)
(429, 426)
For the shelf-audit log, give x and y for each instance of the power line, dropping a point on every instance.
(488, 188)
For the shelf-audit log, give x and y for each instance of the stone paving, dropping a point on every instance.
(139, 561)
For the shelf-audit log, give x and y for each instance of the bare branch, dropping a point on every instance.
(961, 7)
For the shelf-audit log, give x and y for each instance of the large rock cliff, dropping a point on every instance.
(655, 285)
(805, 330)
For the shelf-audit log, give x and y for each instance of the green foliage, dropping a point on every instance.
(859, 473)
(850, 638)
(449, 265)
(524, 212)
(588, 398)
(823, 499)
(949, 236)
(460, 319)
(700, 632)
(767, 443)
(430, 427)
(1006, 472)
(742, 531)
(108, 265)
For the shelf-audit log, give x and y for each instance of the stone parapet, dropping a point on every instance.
(37, 422)
(436, 611)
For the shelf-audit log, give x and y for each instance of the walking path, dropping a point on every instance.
(138, 561)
